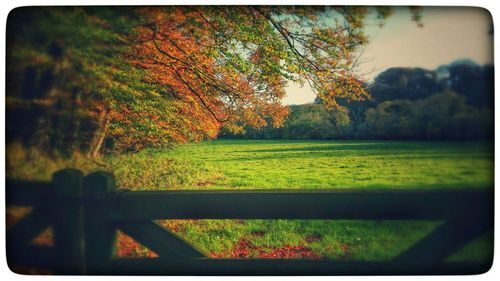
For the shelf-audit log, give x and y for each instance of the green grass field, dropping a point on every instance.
(240, 164)
(281, 164)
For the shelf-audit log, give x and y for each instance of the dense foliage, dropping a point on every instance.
(126, 78)
(454, 101)
(307, 121)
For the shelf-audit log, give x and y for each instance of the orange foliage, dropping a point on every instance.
(176, 49)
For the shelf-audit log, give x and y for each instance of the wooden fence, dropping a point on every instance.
(86, 211)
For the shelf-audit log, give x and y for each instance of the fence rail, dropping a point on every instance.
(85, 213)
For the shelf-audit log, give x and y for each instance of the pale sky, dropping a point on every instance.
(448, 34)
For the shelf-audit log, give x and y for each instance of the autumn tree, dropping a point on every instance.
(133, 77)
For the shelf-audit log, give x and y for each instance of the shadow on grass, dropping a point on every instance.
(406, 151)
(389, 146)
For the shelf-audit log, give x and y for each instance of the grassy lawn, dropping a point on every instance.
(244, 164)
(240, 164)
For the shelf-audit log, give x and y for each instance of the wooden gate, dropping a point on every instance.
(86, 211)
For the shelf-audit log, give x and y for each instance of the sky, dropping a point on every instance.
(448, 34)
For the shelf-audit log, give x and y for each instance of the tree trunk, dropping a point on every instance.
(75, 135)
(49, 91)
(99, 135)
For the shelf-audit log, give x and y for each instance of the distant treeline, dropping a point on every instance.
(452, 102)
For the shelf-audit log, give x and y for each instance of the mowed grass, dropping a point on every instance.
(243, 164)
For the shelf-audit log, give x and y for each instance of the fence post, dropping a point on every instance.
(100, 235)
(68, 221)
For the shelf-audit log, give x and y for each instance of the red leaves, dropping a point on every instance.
(217, 255)
(46, 238)
(128, 247)
(346, 254)
(290, 252)
(15, 214)
(244, 248)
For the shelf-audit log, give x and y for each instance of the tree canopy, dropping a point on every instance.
(452, 102)
(135, 77)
